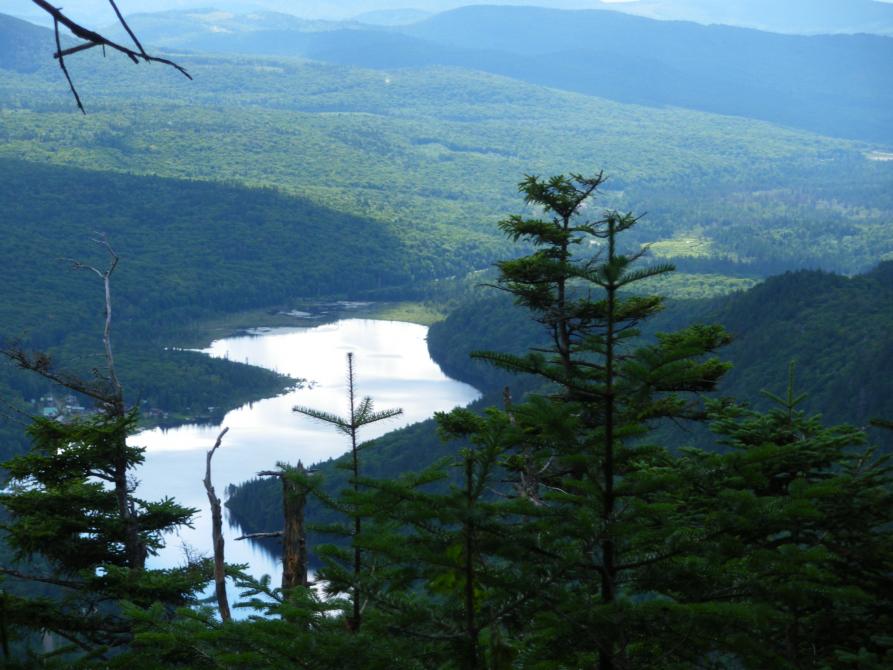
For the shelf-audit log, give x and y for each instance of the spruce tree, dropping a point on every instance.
(455, 574)
(801, 518)
(607, 492)
(73, 509)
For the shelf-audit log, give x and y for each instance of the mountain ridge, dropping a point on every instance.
(832, 85)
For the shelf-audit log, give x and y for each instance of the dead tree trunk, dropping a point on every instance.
(114, 406)
(217, 535)
(294, 540)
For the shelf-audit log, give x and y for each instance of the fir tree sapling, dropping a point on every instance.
(361, 413)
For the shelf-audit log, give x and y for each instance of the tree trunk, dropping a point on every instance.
(217, 536)
(294, 543)
(471, 632)
(609, 570)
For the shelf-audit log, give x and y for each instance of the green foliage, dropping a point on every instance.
(444, 161)
(563, 533)
(795, 316)
(303, 179)
(580, 455)
(62, 512)
(802, 516)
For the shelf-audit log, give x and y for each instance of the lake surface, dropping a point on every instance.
(391, 364)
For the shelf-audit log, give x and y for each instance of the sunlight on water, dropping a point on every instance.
(392, 366)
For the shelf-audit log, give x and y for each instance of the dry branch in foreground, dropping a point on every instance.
(91, 39)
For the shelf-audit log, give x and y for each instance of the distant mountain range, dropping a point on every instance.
(786, 16)
(23, 46)
(835, 85)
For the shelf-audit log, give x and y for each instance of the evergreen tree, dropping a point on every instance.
(72, 507)
(802, 518)
(609, 496)
(361, 413)
(562, 536)
(452, 550)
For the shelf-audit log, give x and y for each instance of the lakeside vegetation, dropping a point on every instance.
(527, 533)
(305, 180)
(638, 487)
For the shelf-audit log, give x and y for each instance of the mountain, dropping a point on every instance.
(23, 45)
(433, 154)
(834, 85)
(267, 179)
(787, 16)
(391, 17)
(211, 29)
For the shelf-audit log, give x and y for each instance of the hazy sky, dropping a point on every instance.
(98, 12)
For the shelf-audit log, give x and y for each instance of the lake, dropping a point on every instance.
(391, 365)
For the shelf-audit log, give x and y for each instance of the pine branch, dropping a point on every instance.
(326, 417)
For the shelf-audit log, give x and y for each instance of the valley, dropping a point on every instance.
(380, 181)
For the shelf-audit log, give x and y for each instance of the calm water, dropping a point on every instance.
(391, 365)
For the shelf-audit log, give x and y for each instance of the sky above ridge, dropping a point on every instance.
(746, 12)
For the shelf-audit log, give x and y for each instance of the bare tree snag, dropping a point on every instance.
(116, 395)
(114, 405)
(94, 39)
(361, 415)
(107, 392)
(294, 540)
(217, 535)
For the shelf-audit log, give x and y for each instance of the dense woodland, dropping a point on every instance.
(700, 480)
(299, 156)
(563, 516)
(787, 318)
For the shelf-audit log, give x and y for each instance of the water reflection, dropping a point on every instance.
(392, 365)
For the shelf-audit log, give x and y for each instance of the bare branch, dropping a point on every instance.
(106, 276)
(255, 536)
(127, 28)
(92, 38)
(217, 535)
(74, 91)
(42, 364)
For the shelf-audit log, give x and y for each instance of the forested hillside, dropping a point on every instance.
(835, 85)
(286, 172)
(667, 469)
(429, 151)
(806, 82)
(797, 317)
